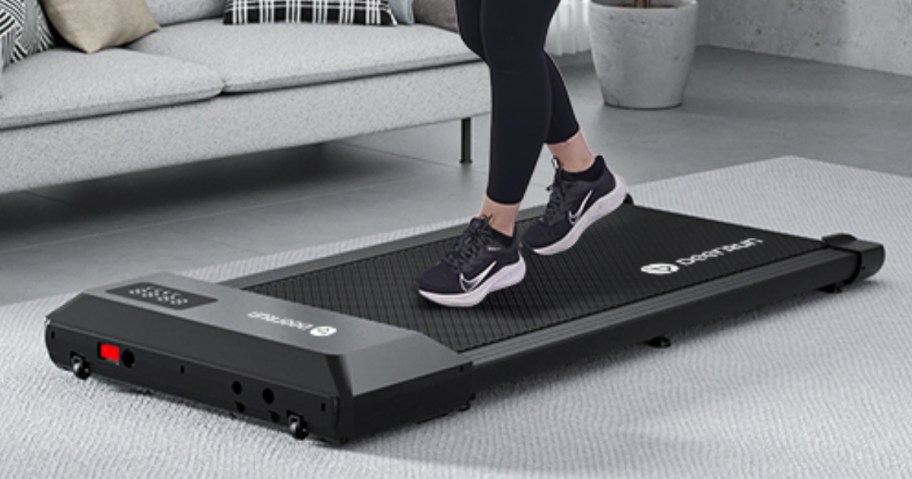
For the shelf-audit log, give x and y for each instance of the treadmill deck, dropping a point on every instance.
(603, 271)
(342, 346)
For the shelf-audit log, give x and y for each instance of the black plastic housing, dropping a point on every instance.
(361, 378)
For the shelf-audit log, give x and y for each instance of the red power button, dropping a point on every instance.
(109, 352)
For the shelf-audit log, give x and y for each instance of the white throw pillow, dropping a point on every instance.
(93, 25)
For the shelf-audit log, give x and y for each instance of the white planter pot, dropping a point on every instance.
(642, 56)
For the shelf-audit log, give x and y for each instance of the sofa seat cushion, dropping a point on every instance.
(264, 57)
(63, 84)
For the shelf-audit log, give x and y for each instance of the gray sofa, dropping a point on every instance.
(198, 89)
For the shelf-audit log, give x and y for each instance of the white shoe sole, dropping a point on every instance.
(601, 208)
(506, 277)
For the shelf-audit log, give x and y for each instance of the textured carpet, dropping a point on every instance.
(819, 386)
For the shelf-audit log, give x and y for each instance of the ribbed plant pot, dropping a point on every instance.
(643, 56)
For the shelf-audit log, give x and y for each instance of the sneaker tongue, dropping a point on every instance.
(475, 226)
(478, 223)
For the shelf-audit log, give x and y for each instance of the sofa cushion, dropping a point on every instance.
(263, 57)
(64, 84)
(167, 12)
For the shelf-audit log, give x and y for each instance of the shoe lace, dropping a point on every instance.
(554, 210)
(469, 244)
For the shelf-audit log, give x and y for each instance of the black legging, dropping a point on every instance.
(530, 104)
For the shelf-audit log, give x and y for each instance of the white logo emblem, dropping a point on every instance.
(660, 268)
(575, 216)
(470, 284)
(323, 331)
(665, 268)
(289, 322)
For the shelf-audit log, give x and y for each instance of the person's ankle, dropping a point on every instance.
(593, 173)
(506, 230)
(502, 237)
(576, 165)
(500, 216)
(503, 228)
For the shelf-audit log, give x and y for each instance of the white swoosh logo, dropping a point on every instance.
(470, 284)
(575, 216)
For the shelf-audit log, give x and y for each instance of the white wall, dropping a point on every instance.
(873, 34)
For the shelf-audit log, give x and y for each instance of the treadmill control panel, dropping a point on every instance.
(161, 296)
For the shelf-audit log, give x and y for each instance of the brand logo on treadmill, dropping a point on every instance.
(271, 318)
(666, 268)
(317, 331)
(323, 331)
(660, 268)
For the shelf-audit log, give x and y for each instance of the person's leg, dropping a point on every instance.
(502, 217)
(583, 191)
(468, 20)
(486, 257)
(573, 154)
(565, 138)
(563, 128)
(513, 35)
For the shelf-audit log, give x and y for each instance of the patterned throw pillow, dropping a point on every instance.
(366, 12)
(7, 30)
(6, 43)
(24, 28)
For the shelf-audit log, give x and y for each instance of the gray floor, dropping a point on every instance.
(740, 107)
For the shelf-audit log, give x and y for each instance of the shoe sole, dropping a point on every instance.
(506, 277)
(601, 208)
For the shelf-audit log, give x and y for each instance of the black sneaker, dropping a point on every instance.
(477, 264)
(574, 205)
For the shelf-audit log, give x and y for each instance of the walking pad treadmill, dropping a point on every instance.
(343, 346)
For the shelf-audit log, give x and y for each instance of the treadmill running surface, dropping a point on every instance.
(604, 270)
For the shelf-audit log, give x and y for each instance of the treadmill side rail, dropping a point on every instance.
(671, 312)
(334, 376)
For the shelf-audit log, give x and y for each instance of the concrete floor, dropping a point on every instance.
(740, 107)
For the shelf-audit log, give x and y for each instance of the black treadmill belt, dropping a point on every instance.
(601, 272)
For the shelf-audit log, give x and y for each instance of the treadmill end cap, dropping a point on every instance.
(871, 256)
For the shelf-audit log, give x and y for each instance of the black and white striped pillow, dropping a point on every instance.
(23, 29)
(7, 38)
(366, 12)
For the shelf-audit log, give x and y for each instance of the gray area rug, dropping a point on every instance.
(820, 386)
